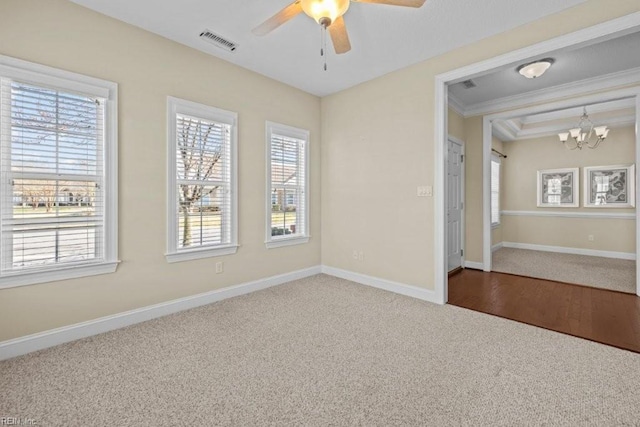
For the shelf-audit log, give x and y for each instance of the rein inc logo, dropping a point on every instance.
(17, 421)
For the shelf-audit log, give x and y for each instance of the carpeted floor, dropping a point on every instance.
(324, 351)
(606, 273)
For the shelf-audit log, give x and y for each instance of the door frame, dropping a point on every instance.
(463, 196)
(612, 28)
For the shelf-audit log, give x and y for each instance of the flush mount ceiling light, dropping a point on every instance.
(535, 69)
(582, 134)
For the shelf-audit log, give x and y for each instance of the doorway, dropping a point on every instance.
(558, 234)
(620, 26)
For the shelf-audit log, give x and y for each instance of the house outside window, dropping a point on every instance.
(287, 185)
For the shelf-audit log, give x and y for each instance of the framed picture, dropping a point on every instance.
(558, 188)
(610, 186)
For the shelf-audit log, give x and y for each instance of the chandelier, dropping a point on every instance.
(581, 135)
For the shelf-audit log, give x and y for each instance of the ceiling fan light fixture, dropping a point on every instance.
(535, 69)
(319, 9)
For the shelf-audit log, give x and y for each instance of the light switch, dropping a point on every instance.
(426, 191)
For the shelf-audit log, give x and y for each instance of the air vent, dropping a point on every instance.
(216, 40)
(468, 84)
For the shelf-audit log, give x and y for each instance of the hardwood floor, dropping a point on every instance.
(600, 315)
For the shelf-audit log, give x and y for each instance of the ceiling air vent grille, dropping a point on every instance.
(468, 84)
(217, 40)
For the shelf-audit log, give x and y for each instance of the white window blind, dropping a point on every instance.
(287, 213)
(495, 190)
(58, 174)
(53, 200)
(202, 156)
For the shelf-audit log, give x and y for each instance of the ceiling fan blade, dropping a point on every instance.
(278, 19)
(339, 36)
(407, 3)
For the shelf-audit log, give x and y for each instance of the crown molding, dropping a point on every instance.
(595, 84)
(456, 105)
(502, 132)
(554, 130)
(574, 113)
(508, 131)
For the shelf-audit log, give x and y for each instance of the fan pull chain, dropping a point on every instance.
(323, 44)
(325, 47)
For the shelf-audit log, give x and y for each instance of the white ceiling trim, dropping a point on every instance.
(606, 82)
(456, 105)
(502, 132)
(575, 113)
(554, 130)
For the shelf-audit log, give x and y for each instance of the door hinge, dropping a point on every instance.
(461, 252)
(461, 205)
(461, 158)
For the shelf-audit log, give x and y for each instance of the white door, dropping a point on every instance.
(455, 204)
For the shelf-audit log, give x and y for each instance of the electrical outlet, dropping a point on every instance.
(355, 254)
(590, 238)
(360, 256)
(219, 267)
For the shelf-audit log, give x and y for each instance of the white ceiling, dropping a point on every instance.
(571, 65)
(383, 38)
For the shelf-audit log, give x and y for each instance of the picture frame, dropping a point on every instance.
(558, 188)
(609, 186)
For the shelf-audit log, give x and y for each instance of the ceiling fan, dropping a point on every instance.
(327, 13)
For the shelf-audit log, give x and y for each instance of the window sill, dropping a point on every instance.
(12, 280)
(192, 254)
(290, 241)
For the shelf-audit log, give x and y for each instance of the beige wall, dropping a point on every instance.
(526, 157)
(617, 235)
(377, 146)
(473, 189)
(455, 123)
(148, 68)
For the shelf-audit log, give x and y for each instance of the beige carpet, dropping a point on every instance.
(606, 273)
(324, 351)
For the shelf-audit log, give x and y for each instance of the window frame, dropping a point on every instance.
(297, 133)
(498, 160)
(181, 106)
(57, 79)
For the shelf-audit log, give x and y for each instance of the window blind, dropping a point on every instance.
(495, 191)
(288, 181)
(52, 151)
(203, 155)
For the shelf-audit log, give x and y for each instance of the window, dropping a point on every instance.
(202, 202)
(58, 165)
(287, 185)
(495, 190)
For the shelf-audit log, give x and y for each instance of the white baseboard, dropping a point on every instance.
(496, 246)
(474, 265)
(387, 285)
(575, 251)
(42, 340)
